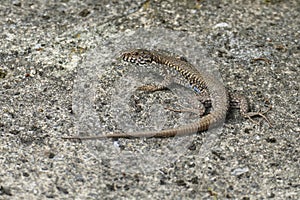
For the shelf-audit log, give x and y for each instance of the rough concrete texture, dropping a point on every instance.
(256, 47)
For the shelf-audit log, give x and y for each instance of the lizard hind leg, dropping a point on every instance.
(241, 103)
(200, 111)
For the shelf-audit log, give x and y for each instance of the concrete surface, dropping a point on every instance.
(256, 47)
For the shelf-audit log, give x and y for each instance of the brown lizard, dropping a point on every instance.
(220, 101)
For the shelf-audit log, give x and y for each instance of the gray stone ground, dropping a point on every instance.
(44, 42)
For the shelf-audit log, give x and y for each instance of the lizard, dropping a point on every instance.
(220, 99)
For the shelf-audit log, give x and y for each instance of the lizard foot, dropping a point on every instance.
(260, 113)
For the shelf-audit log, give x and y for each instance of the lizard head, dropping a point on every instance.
(138, 56)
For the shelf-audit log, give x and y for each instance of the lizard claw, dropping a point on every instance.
(260, 113)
